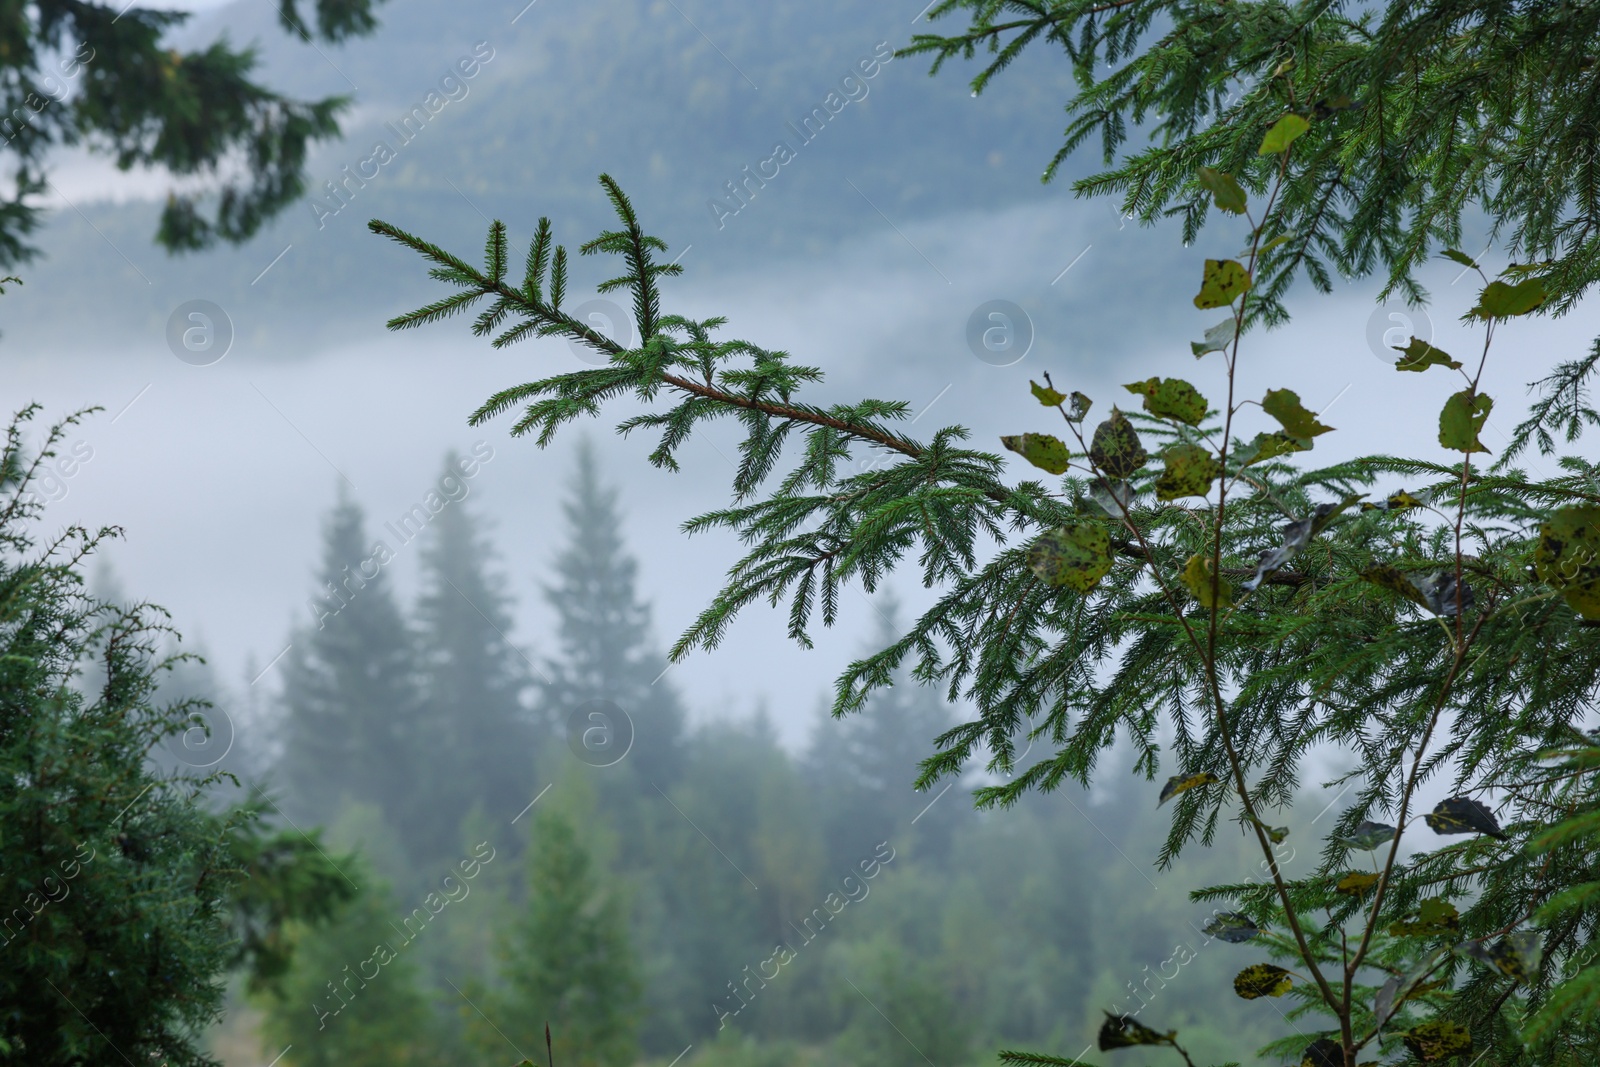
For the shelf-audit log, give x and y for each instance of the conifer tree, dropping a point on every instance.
(865, 767)
(1443, 631)
(105, 76)
(604, 630)
(353, 996)
(568, 961)
(479, 735)
(352, 705)
(127, 894)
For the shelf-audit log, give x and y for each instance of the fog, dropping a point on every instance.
(876, 255)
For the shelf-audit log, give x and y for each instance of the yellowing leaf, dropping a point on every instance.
(1224, 188)
(1182, 783)
(1419, 355)
(1284, 405)
(1262, 980)
(1282, 135)
(1500, 300)
(1397, 501)
(1221, 283)
(1040, 449)
(1355, 883)
(1190, 472)
(1045, 394)
(1171, 398)
(1567, 557)
(1516, 955)
(1323, 1052)
(1116, 448)
(1437, 916)
(1077, 555)
(1463, 416)
(1198, 579)
(1437, 1040)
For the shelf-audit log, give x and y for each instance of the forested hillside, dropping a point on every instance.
(694, 889)
(637, 82)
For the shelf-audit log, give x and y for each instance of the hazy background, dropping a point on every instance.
(865, 256)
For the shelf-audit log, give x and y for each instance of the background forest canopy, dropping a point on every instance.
(439, 840)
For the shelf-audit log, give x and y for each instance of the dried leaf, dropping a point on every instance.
(1042, 450)
(1463, 815)
(1077, 555)
(1462, 417)
(1262, 980)
(1080, 407)
(1182, 783)
(1116, 449)
(1221, 283)
(1190, 471)
(1171, 398)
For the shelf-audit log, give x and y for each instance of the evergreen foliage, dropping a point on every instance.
(568, 961)
(351, 693)
(477, 732)
(603, 631)
(126, 897)
(1420, 116)
(352, 997)
(103, 76)
(1442, 635)
(864, 768)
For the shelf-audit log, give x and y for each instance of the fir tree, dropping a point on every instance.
(568, 961)
(1444, 630)
(352, 706)
(865, 767)
(128, 895)
(604, 631)
(105, 76)
(353, 996)
(479, 735)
